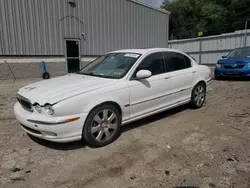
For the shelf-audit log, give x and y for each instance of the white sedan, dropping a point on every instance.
(115, 89)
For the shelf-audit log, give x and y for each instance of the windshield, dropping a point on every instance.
(113, 65)
(241, 52)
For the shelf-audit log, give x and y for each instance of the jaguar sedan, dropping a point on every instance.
(115, 89)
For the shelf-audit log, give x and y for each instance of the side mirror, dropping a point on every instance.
(223, 57)
(143, 74)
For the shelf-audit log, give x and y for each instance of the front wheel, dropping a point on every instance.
(102, 126)
(198, 95)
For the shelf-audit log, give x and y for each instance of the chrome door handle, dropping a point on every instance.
(194, 72)
(167, 78)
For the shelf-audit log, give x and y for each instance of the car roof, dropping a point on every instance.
(144, 50)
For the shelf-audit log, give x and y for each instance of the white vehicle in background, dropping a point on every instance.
(117, 88)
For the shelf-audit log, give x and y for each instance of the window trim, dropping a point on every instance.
(135, 68)
(166, 61)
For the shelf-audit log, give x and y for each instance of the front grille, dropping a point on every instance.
(31, 130)
(26, 104)
(232, 74)
(237, 66)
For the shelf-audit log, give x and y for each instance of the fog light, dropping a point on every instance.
(49, 133)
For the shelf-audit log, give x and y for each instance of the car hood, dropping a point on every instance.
(234, 60)
(60, 88)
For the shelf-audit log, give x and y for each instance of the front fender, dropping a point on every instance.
(121, 100)
(90, 106)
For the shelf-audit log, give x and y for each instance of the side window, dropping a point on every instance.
(154, 63)
(177, 61)
(188, 61)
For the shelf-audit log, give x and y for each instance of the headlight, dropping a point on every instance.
(248, 66)
(218, 66)
(38, 108)
(49, 109)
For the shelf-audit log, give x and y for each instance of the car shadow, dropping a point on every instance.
(154, 118)
(59, 146)
(81, 144)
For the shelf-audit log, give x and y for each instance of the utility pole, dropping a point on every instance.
(200, 34)
(245, 36)
(172, 37)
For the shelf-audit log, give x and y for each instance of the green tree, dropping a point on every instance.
(188, 17)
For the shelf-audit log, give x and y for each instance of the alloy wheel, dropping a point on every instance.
(199, 95)
(104, 125)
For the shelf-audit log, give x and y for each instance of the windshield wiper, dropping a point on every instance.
(88, 74)
(92, 74)
(98, 75)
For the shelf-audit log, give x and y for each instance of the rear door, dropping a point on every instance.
(181, 73)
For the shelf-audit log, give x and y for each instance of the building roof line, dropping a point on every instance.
(150, 6)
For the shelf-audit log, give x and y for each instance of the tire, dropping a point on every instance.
(198, 96)
(102, 126)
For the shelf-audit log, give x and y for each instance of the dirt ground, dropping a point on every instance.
(204, 148)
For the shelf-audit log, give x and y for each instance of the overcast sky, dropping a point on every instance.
(156, 3)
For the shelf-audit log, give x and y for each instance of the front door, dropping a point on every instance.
(73, 55)
(148, 95)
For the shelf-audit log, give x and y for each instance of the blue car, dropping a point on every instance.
(235, 64)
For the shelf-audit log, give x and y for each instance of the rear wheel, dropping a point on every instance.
(198, 95)
(102, 126)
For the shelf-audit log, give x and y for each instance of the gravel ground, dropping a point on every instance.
(201, 148)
